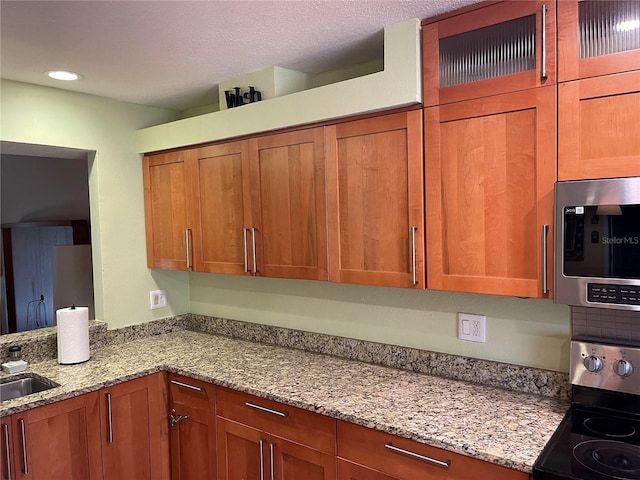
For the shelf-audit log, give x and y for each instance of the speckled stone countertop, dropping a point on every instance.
(504, 427)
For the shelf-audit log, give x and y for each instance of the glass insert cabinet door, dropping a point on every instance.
(496, 49)
(597, 37)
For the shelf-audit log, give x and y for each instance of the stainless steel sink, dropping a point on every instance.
(25, 385)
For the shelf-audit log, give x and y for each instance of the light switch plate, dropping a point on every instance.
(472, 327)
(157, 299)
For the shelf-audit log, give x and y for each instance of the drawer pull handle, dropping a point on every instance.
(545, 271)
(272, 460)
(417, 456)
(187, 243)
(246, 257)
(8, 449)
(186, 385)
(262, 459)
(23, 438)
(543, 51)
(109, 419)
(253, 250)
(266, 410)
(414, 278)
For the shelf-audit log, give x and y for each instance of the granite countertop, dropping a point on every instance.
(489, 423)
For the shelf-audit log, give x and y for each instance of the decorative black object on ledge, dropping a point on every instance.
(235, 97)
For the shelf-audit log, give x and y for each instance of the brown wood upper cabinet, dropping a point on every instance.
(499, 48)
(167, 210)
(261, 206)
(597, 38)
(251, 207)
(288, 200)
(375, 201)
(599, 97)
(219, 180)
(490, 170)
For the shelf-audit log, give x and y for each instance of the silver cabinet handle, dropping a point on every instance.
(23, 437)
(253, 250)
(545, 272)
(186, 385)
(414, 278)
(261, 459)
(266, 410)
(7, 449)
(173, 420)
(271, 457)
(246, 258)
(109, 419)
(187, 243)
(417, 456)
(543, 53)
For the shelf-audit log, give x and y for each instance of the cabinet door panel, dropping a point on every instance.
(62, 440)
(294, 461)
(375, 189)
(603, 45)
(135, 429)
(289, 204)
(220, 179)
(492, 50)
(239, 451)
(490, 168)
(598, 127)
(6, 455)
(193, 446)
(166, 210)
(351, 471)
(193, 439)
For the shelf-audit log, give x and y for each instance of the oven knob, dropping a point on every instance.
(593, 363)
(623, 368)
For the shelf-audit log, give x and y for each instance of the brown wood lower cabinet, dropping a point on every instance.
(259, 438)
(193, 429)
(135, 430)
(60, 440)
(6, 457)
(352, 471)
(387, 457)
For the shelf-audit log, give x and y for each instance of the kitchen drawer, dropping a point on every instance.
(370, 448)
(196, 394)
(291, 423)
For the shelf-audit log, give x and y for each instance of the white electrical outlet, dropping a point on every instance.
(157, 299)
(472, 327)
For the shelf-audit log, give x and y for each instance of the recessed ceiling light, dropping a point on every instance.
(63, 75)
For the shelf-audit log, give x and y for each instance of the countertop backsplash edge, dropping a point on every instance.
(39, 345)
(518, 378)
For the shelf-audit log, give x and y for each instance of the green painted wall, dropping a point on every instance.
(521, 331)
(46, 116)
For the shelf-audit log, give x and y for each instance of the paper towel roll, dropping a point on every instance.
(73, 335)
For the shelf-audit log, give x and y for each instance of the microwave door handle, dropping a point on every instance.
(545, 270)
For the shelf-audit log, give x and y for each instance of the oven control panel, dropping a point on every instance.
(610, 367)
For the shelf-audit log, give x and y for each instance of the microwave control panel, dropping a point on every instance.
(615, 294)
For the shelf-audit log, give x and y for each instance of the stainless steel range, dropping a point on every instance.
(599, 438)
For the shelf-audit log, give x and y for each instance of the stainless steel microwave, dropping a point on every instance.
(597, 243)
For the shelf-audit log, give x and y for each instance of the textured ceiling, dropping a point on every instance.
(173, 54)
